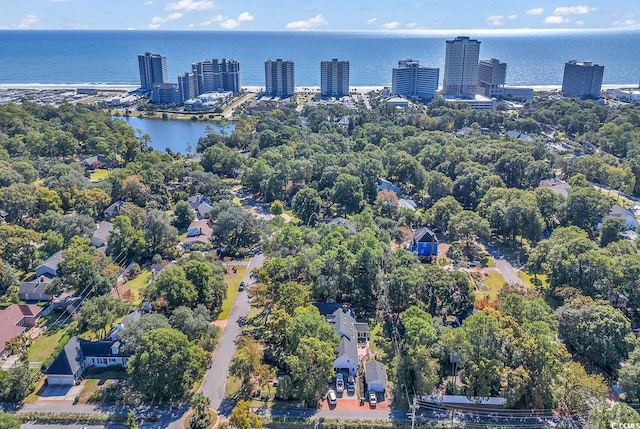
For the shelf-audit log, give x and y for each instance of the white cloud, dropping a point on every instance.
(391, 25)
(148, 3)
(495, 20)
(189, 5)
(579, 22)
(28, 21)
(627, 23)
(572, 10)
(213, 19)
(371, 21)
(535, 11)
(308, 24)
(226, 22)
(157, 20)
(229, 24)
(59, 1)
(512, 17)
(555, 20)
(192, 25)
(411, 25)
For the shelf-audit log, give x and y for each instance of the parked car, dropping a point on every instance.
(241, 288)
(331, 397)
(373, 399)
(351, 384)
(339, 382)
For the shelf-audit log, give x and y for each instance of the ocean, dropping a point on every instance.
(110, 57)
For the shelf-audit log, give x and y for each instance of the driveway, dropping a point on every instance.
(216, 376)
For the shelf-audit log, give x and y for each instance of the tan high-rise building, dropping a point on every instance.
(461, 66)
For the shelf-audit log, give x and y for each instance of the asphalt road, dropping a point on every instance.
(216, 376)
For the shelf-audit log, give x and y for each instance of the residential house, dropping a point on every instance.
(113, 210)
(627, 215)
(375, 375)
(199, 232)
(100, 235)
(340, 221)
(424, 243)
(203, 210)
(348, 332)
(519, 135)
(78, 355)
(94, 162)
(407, 203)
(385, 185)
(196, 200)
(35, 290)
(14, 320)
(49, 267)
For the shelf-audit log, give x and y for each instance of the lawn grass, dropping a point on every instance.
(44, 346)
(96, 382)
(99, 174)
(137, 285)
(528, 279)
(233, 282)
(494, 280)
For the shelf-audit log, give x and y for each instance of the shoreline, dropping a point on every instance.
(255, 88)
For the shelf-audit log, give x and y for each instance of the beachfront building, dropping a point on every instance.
(165, 93)
(492, 75)
(187, 87)
(582, 79)
(279, 78)
(411, 80)
(461, 67)
(153, 69)
(216, 76)
(334, 78)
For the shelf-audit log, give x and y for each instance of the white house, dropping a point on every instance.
(375, 376)
(78, 355)
(347, 352)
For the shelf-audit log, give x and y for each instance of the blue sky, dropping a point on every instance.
(328, 15)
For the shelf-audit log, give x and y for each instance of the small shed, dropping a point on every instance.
(375, 376)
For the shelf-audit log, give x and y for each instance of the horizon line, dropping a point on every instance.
(423, 31)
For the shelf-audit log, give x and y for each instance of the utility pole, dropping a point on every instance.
(413, 407)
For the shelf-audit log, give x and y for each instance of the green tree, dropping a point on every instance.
(586, 207)
(306, 205)
(235, 228)
(629, 376)
(165, 365)
(9, 421)
(182, 215)
(437, 185)
(131, 334)
(91, 201)
(99, 313)
(606, 413)
(201, 417)
(276, 208)
(125, 242)
(347, 193)
(208, 279)
(131, 421)
(307, 322)
(611, 229)
(442, 212)
(159, 234)
(311, 367)
(16, 383)
(243, 418)
(597, 332)
(468, 226)
(246, 362)
(171, 289)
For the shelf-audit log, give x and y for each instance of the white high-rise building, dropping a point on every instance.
(153, 69)
(412, 80)
(461, 66)
(582, 80)
(186, 87)
(279, 78)
(334, 78)
(492, 75)
(217, 75)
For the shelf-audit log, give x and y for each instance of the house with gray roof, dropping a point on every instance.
(78, 355)
(375, 375)
(113, 210)
(344, 324)
(49, 267)
(35, 290)
(100, 235)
